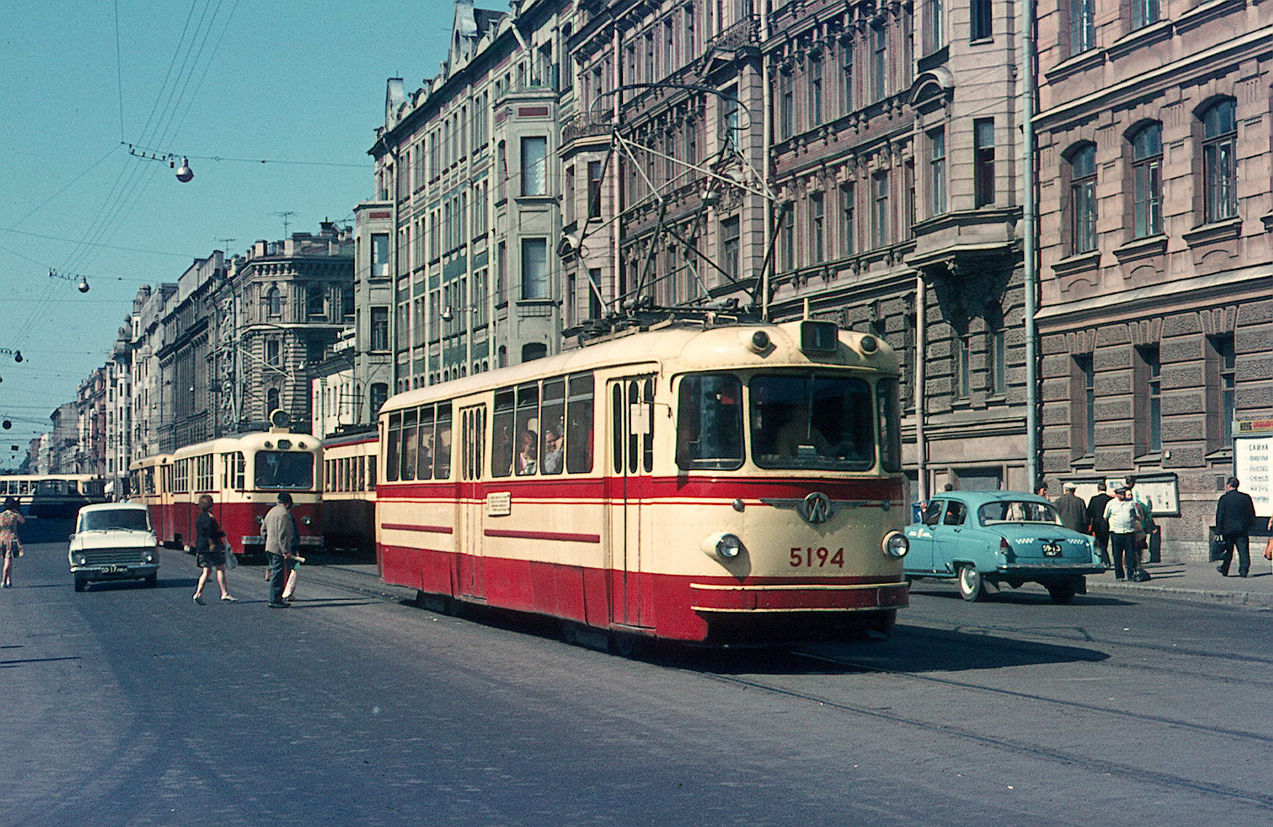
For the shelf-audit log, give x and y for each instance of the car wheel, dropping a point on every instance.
(971, 586)
(80, 584)
(152, 580)
(1061, 591)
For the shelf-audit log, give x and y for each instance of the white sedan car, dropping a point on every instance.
(113, 541)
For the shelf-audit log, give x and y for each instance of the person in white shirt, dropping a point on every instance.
(1121, 513)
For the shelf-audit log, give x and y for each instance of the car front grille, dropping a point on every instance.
(111, 556)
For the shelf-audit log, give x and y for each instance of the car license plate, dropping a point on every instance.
(114, 569)
(1051, 549)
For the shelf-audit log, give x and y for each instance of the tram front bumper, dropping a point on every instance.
(779, 597)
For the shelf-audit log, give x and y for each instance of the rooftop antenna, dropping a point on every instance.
(285, 214)
(225, 243)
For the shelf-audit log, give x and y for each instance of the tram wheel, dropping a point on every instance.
(971, 586)
(627, 645)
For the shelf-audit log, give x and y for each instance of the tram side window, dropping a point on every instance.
(527, 457)
(392, 444)
(371, 473)
(889, 406)
(181, 476)
(204, 477)
(424, 453)
(502, 447)
(410, 430)
(442, 443)
(551, 442)
(709, 432)
(579, 424)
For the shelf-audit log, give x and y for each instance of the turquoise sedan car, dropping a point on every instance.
(996, 537)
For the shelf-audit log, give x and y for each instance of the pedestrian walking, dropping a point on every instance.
(1121, 515)
(210, 550)
(1071, 508)
(1097, 525)
(280, 538)
(1235, 514)
(10, 545)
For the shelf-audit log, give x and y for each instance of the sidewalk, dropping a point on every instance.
(1196, 581)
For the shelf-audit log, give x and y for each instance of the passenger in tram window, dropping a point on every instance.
(553, 444)
(502, 450)
(526, 441)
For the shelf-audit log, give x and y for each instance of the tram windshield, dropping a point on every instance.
(815, 422)
(277, 470)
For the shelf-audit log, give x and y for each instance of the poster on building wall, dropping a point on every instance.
(1161, 491)
(1253, 462)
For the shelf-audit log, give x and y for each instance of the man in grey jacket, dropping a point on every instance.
(1072, 509)
(280, 540)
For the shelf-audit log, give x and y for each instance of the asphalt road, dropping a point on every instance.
(133, 705)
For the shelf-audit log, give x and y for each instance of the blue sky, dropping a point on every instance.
(298, 84)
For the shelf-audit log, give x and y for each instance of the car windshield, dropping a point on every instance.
(131, 519)
(276, 470)
(802, 421)
(1018, 511)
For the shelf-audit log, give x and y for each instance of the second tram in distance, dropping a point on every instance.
(730, 484)
(244, 475)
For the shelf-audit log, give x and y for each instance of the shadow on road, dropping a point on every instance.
(910, 649)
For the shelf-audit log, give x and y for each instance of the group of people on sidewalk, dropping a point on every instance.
(1116, 523)
(281, 538)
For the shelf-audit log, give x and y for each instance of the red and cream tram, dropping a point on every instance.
(349, 491)
(728, 484)
(244, 475)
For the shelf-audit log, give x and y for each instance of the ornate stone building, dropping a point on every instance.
(1156, 247)
(468, 166)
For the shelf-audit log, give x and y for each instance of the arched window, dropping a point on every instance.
(1146, 145)
(271, 401)
(274, 301)
(1083, 199)
(1219, 164)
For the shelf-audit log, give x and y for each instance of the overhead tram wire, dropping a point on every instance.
(126, 185)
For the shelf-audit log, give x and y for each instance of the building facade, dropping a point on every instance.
(468, 165)
(1156, 255)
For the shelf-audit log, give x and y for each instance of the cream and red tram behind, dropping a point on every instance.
(720, 485)
(349, 491)
(244, 475)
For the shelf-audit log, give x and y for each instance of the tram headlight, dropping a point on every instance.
(895, 545)
(723, 546)
(307, 521)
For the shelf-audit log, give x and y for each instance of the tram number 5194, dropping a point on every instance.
(816, 557)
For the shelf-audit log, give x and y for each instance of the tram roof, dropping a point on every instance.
(676, 348)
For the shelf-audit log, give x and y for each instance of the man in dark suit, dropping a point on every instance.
(1097, 525)
(1235, 514)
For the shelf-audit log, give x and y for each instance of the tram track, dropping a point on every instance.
(1019, 747)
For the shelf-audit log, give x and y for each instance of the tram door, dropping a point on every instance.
(468, 545)
(631, 461)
